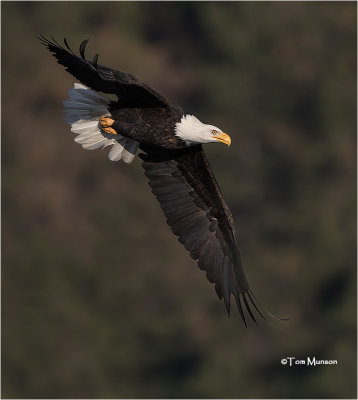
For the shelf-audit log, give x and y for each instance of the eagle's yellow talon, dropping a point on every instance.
(106, 122)
(109, 130)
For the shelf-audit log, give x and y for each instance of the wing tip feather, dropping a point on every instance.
(263, 311)
(83, 48)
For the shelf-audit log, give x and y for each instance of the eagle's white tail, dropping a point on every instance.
(83, 110)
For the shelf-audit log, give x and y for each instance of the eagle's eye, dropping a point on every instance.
(214, 132)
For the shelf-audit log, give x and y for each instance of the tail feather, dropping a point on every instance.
(82, 111)
(88, 137)
(83, 130)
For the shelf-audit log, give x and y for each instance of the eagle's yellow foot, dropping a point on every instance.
(109, 130)
(106, 124)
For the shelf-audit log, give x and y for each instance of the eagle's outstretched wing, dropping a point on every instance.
(131, 91)
(197, 213)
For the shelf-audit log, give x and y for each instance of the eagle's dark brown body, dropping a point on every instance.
(149, 125)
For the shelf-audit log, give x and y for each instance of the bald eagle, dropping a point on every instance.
(174, 162)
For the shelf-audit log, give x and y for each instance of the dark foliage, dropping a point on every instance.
(98, 304)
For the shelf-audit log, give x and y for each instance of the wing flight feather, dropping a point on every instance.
(130, 90)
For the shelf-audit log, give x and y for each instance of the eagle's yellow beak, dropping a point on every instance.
(223, 138)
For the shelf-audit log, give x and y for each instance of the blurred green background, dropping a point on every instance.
(99, 300)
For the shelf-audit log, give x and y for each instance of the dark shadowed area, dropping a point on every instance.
(99, 300)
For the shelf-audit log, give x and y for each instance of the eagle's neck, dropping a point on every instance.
(189, 129)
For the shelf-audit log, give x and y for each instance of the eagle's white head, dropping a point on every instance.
(192, 131)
